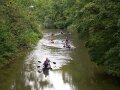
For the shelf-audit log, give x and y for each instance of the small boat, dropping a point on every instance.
(51, 41)
(46, 70)
(68, 46)
(52, 34)
(61, 32)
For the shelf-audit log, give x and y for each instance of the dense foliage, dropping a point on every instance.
(18, 28)
(97, 21)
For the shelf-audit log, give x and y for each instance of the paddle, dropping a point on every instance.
(38, 66)
(39, 61)
(54, 62)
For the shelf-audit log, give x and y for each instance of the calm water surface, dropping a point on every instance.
(73, 69)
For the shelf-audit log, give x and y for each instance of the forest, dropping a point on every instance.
(19, 29)
(96, 21)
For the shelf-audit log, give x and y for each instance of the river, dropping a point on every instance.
(72, 69)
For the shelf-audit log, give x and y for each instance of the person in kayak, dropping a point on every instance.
(51, 41)
(61, 32)
(52, 34)
(47, 64)
(67, 43)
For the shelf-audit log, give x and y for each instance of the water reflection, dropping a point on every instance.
(55, 82)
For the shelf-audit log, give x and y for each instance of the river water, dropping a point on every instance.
(73, 69)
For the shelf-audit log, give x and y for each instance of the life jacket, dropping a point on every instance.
(46, 63)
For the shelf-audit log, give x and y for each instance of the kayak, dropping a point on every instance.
(48, 68)
(46, 71)
(51, 41)
(68, 46)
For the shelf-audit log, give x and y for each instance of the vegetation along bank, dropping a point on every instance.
(19, 28)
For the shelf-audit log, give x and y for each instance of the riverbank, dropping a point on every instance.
(84, 73)
(17, 32)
